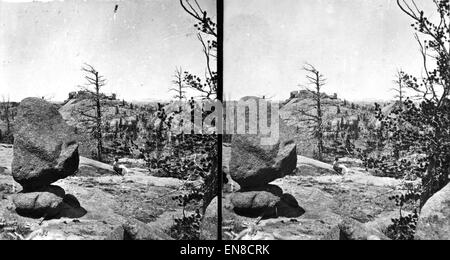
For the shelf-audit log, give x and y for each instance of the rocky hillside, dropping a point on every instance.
(119, 117)
(341, 119)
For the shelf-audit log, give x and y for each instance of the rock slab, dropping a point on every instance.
(44, 150)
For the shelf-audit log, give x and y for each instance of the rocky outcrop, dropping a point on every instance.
(350, 229)
(93, 168)
(47, 201)
(43, 149)
(44, 153)
(209, 223)
(310, 167)
(255, 203)
(434, 218)
(254, 165)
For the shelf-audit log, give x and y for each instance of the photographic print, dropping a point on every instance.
(91, 93)
(361, 90)
(190, 120)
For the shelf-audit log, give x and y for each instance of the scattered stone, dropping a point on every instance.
(289, 207)
(255, 203)
(44, 203)
(93, 168)
(136, 230)
(350, 229)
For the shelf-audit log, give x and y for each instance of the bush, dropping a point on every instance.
(188, 226)
(404, 227)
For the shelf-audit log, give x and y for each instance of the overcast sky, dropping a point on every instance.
(43, 45)
(356, 44)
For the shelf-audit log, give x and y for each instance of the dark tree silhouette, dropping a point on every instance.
(426, 121)
(399, 89)
(207, 35)
(6, 115)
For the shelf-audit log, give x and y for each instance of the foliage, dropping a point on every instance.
(187, 227)
(418, 130)
(190, 157)
(7, 113)
(403, 228)
(207, 35)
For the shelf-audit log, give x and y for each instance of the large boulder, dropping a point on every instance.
(44, 150)
(209, 223)
(255, 203)
(267, 202)
(434, 218)
(46, 202)
(255, 165)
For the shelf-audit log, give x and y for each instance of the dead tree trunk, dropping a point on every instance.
(314, 113)
(95, 81)
(98, 119)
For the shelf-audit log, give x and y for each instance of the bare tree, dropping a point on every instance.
(92, 113)
(179, 83)
(317, 81)
(207, 36)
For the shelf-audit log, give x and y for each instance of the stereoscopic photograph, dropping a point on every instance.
(227, 120)
(91, 92)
